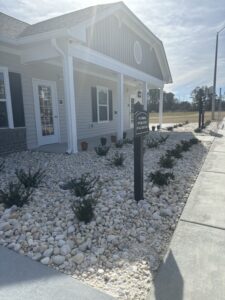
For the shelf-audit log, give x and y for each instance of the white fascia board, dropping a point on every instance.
(104, 61)
(38, 53)
(10, 50)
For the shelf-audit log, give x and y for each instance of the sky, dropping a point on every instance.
(187, 29)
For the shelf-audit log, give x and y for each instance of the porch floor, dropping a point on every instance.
(62, 147)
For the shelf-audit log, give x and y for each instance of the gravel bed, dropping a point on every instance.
(121, 249)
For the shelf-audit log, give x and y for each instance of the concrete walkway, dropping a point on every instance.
(24, 279)
(194, 267)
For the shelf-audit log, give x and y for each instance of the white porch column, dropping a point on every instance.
(161, 106)
(145, 98)
(120, 104)
(70, 103)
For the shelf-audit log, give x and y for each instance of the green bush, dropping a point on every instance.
(194, 141)
(29, 179)
(118, 159)
(163, 139)
(81, 186)
(175, 126)
(160, 178)
(152, 143)
(176, 152)
(185, 145)
(128, 141)
(207, 123)
(103, 141)
(83, 208)
(170, 128)
(119, 144)
(198, 130)
(180, 125)
(166, 161)
(102, 150)
(15, 194)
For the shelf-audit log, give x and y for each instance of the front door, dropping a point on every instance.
(46, 111)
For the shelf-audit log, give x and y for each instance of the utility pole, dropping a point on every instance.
(215, 74)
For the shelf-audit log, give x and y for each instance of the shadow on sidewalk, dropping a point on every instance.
(169, 283)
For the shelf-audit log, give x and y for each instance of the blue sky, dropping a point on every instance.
(187, 28)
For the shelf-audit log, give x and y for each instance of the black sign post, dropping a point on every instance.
(141, 127)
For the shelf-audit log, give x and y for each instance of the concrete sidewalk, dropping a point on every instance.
(194, 267)
(24, 279)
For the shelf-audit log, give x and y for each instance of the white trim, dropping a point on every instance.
(145, 97)
(161, 107)
(92, 56)
(10, 50)
(8, 101)
(98, 88)
(57, 138)
(120, 104)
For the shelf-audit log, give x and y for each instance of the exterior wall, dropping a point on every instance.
(87, 128)
(83, 83)
(12, 140)
(117, 40)
(41, 71)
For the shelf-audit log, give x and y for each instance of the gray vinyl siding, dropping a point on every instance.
(83, 85)
(117, 41)
(40, 71)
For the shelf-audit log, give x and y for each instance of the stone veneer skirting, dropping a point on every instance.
(12, 140)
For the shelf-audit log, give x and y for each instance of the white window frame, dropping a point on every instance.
(106, 90)
(5, 72)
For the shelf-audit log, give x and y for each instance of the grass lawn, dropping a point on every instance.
(180, 117)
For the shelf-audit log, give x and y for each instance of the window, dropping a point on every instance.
(6, 119)
(102, 104)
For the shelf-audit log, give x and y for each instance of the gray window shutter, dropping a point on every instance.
(110, 106)
(17, 99)
(94, 104)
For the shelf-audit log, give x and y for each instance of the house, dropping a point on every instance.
(76, 76)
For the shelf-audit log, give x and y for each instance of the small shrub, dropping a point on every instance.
(160, 178)
(118, 159)
(153, 128)
(151, 143)
(30, 179)
(180, 125)
(15, 194)
(83, 208)
(81, 186)
(186, 122)
(119, 144)
(128, 141)
(2, 165)
(198, 130)
(170, 128)
(185, 145)
(103, 141)
(194, 141)
(166, 161)
(207, 123)
(102, 150)
(176, 152)
(175, 126)
(124, 135)
(163, 139)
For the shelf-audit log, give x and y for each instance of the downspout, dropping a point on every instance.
(63, 55)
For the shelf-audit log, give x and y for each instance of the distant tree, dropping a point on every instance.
(206, 93)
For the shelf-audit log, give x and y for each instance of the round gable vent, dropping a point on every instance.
(137, 52)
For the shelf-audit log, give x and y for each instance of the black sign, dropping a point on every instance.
(141, 123)
(141, 127)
